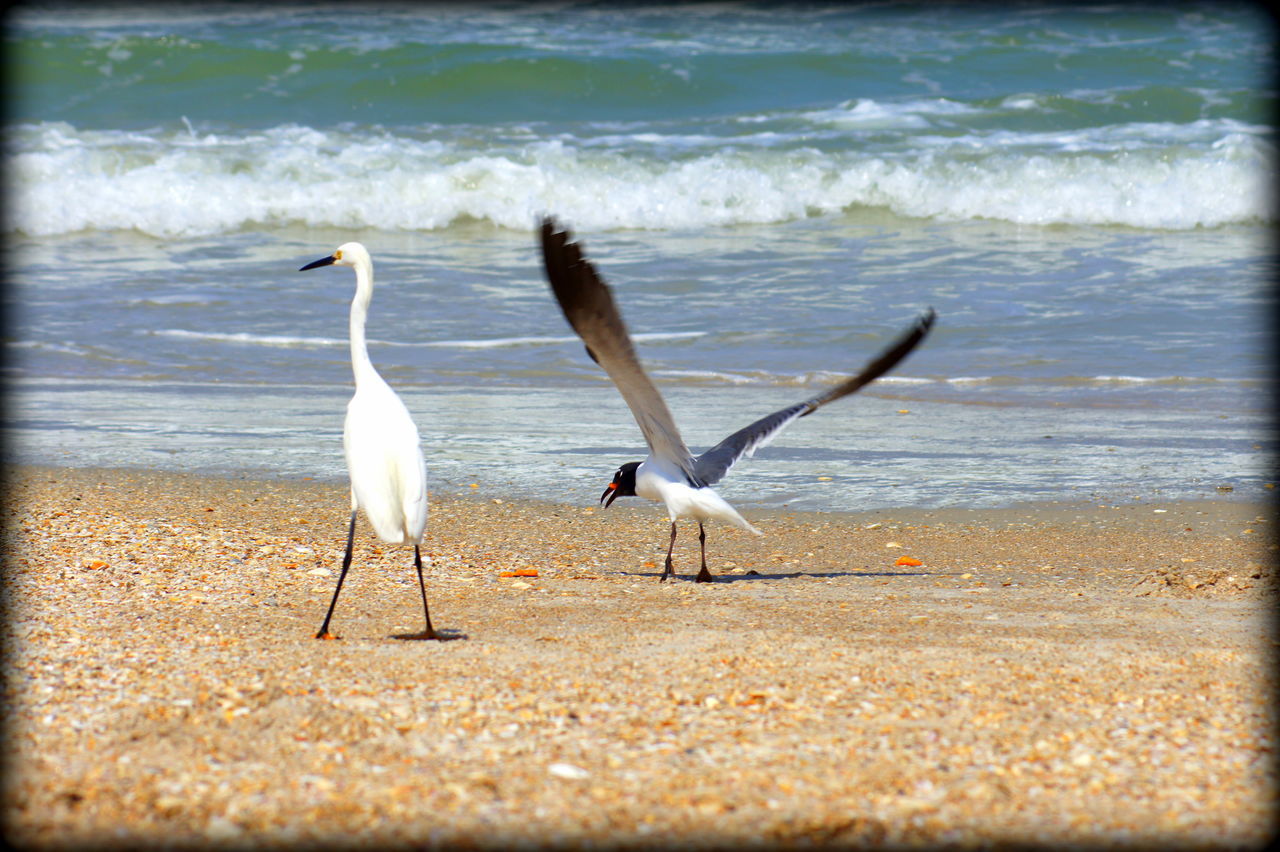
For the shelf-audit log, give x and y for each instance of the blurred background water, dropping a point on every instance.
(1080, 192)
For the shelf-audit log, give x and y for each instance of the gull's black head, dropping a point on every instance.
(623, 485)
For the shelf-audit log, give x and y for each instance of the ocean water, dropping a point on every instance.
(1081, 192)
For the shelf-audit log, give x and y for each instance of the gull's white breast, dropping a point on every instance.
(665, 483)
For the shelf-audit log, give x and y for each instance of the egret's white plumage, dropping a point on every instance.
(384, 453)
(383, 450)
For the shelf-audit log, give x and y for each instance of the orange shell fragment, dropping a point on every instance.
(520, 572)
(908, 560)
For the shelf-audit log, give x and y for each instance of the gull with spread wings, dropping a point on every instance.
(671, 474)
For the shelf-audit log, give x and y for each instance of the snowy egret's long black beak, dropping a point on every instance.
(324, 261)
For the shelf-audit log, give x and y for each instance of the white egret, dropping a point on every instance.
(384, 455)
(671, 474)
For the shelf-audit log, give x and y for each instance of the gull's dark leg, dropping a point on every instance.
(704, 576)
(346, 563)
(430, 632)
(668, 569)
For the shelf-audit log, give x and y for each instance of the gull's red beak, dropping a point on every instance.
(611, 492)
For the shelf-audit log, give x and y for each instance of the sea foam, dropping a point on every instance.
(176, 183)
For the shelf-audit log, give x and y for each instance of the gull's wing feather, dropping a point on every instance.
(711, 466)
(588, 305)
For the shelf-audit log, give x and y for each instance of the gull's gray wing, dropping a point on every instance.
(588, 306)
(711, 466)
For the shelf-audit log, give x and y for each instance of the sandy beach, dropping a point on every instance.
(1092, 673)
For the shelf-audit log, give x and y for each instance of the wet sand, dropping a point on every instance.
(1087, 673)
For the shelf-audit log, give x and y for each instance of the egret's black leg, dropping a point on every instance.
(430, 632)
(669, 570)
(346, 563)
(704, 576)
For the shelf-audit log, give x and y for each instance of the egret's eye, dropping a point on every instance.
(337, 255)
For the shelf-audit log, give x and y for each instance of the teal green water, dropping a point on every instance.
(486, 65)
(425, 117)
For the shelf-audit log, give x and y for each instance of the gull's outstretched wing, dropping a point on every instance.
(711, 466)
(588, 306)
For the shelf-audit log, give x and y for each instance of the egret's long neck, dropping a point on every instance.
(361, 366)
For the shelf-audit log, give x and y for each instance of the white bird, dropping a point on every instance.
(384, 455)
(671, 474)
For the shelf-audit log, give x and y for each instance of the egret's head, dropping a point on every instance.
(623, 485)
(347, 254)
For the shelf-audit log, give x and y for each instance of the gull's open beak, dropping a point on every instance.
(611, 492)
(324, 261)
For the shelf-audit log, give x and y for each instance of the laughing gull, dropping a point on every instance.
(671, 474)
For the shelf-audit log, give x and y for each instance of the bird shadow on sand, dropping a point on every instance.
(755, 575)
(441, 636)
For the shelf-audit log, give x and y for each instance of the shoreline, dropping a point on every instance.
(1228, 507)
(1048, 674)
(937, 453)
